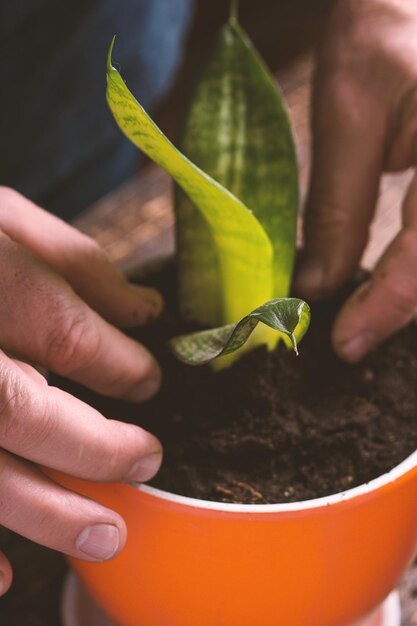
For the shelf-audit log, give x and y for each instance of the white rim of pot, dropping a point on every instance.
(389, 477)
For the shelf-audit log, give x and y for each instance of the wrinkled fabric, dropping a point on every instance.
(59, 143)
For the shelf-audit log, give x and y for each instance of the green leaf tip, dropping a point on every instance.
(294, 344)
(289, 316)
(234, 11)
(109, 55)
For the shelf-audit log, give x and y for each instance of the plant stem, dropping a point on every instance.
(234, 10)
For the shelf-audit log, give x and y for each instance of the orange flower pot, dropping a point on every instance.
(324, 562)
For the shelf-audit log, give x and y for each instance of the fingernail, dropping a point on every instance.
(145, 389)
(310, 278)
(100, 542)
(151, 298)
(355, 348)
(145, 468)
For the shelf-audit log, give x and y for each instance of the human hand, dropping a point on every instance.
(57, 288)
(364, 122)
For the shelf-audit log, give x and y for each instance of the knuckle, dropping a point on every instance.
(123, 382)
(93, 252)
(124, 445)
(51, 522)
(127, 446)
(72, 341)
(14, 403)
(24, 416)
(403, 300)
(362, 47)
(111, 462)
(364, 30)
(395, 277)
(404, 132)
(345, 42)
(39, 430)
(326, 215)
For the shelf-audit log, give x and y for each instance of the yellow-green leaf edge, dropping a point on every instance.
(245, 250)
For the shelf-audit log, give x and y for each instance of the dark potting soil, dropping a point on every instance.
(276, 427)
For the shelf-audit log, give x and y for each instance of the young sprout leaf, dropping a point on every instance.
(289, 316)
(244, 250)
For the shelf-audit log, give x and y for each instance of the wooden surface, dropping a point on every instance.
(136, 223)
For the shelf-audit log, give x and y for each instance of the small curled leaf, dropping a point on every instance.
(289, 316)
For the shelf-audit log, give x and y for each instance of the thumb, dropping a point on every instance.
(388, 301)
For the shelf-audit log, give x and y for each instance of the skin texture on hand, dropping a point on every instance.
(59, 299)
(364, 123)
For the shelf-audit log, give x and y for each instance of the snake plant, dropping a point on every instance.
(236, 205)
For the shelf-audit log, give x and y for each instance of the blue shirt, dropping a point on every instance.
(54, 120)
